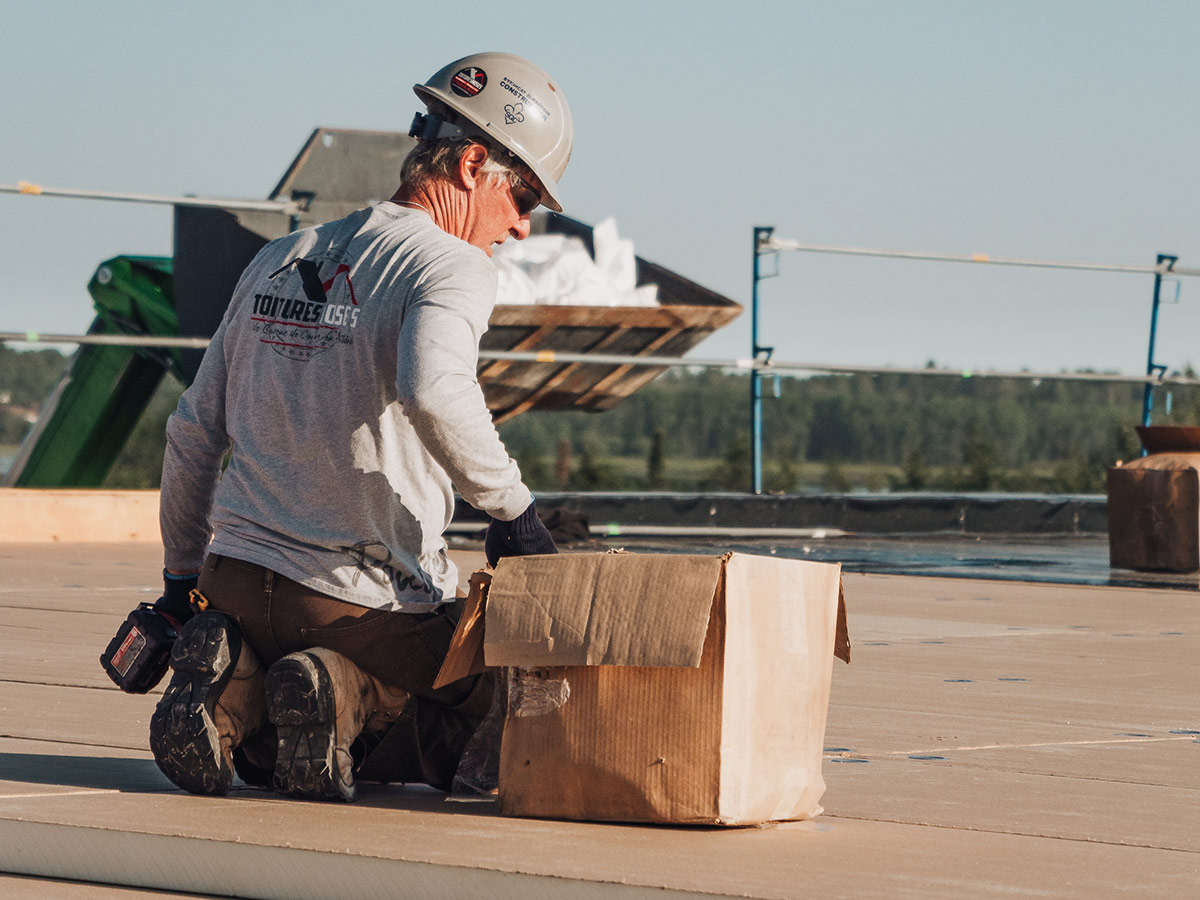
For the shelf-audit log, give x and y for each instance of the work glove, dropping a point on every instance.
(176, 598)
(523, 536)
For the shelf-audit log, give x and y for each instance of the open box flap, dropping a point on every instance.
(616, 609)
(465, 656)
(841, 635)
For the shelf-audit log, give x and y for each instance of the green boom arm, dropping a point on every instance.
(93, 410)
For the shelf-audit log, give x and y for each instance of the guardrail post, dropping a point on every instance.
(1151, 366)
(761, 236)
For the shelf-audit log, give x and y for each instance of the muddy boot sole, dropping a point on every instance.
(183, 737)
(301, 706)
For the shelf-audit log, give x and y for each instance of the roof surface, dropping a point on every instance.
(989, 738)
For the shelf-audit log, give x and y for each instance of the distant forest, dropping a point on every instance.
(690, 431)
(841, 433)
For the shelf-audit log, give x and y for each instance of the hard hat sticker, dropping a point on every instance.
(532, 106)
(513, 114)
(469, 81)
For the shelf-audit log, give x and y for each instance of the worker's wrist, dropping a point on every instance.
(526, 524)
(175, 600)
(513, 506)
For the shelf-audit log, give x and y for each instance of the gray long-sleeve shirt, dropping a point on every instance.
(342, 380)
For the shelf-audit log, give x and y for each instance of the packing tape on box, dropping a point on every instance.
(537, 692)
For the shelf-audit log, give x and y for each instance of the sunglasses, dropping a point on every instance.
(524, 197)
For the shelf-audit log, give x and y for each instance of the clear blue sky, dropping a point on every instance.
(1063, 130)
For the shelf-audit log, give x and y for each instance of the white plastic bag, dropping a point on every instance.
(554, 269)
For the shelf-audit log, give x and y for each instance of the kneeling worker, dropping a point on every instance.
(342, 382)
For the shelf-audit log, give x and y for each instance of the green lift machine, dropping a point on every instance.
(95, 406)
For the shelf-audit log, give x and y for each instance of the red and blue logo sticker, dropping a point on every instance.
(469, 81)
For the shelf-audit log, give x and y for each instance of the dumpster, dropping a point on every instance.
(687, 313)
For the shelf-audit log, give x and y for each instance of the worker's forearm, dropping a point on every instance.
(443, 401)
(196, 443)
(456, 428)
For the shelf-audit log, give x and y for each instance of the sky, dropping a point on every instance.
(1051, 130)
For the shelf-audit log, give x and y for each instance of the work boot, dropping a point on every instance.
(215, 700)
(319, 702)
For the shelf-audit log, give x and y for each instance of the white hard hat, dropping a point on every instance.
(509, 100)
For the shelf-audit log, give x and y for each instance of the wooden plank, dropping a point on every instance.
(559, 377)
(558, 328)
(710, 317)
(619, 372)
(529, 342)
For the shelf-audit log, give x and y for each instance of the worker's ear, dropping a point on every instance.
(470, 166)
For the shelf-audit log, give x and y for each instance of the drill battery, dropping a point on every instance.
(136, 658)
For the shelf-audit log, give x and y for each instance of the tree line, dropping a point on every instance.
(894, 431)
(25, 380)
(690, 430)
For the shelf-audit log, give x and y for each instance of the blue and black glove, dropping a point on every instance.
(176, 598)
(523, 536)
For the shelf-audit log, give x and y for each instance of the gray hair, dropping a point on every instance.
(434, 159)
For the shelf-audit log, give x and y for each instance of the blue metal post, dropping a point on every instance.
(1151, 366)
(761, 235)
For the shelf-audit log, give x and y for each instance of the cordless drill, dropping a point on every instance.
(137, 657)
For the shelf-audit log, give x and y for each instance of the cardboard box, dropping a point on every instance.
(661, 688)
(1154, 513)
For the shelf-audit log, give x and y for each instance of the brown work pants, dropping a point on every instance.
(278, 616)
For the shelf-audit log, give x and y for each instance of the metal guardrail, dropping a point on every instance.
(285, 207)
(761, 366)
(761, 362)
(765, 243)
(104, 340)
(772, 244)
